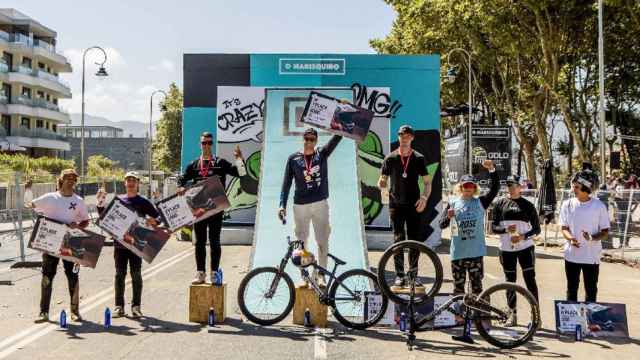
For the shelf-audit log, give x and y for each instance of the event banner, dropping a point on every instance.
(595, 319)
(337, 116)
(445, 319)
(57, 239)
(454, 159)
(200, 201)
(144, 240)
(117, 218)
(493, 143)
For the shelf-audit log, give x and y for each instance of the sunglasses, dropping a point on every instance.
(206, 142)
(310, 139)
(468, 186)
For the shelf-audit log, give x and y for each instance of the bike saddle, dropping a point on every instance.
(337, 261)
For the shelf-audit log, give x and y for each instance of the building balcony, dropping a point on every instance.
(36, 138)
(22, 43)
(36, 108)
(36, 78)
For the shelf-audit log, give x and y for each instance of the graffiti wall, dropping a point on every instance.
(224, 94)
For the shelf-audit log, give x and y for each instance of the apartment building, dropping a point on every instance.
(31, 86)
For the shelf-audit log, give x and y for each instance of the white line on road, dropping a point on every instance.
(320, 345)
(24, 338)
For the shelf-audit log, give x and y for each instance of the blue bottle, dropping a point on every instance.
(467, 328)
(307, 318)
(63, 319)
(107, 318)
(578, 332)
(220, 277)
(211, 321)
(403, 322)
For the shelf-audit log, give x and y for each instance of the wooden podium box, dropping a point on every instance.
(306, 298)
(202, 298)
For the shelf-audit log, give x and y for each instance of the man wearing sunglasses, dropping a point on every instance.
(405, 168)
(207, 165)
(310, 171)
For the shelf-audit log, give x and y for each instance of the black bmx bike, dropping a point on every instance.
(506, 315)
(266, 294)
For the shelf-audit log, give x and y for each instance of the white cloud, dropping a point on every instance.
(164, 65)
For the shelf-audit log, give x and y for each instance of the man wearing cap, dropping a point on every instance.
(208, 165)
(585, 223)
(310, 171)
(67, 207)
(516, 220)
(145, 209)
(405, 168)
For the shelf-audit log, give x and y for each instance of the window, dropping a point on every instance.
(42, 66)
(6, 124)
(6, 90)
(26, 122)
(26, 92)
(39, 124)
(54, 127)
(40, 94)
(26, 62)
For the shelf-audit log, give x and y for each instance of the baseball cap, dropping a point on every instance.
(467, 179)
(514, 179)
(132, 174)
(310, 131)
(405, 129)
(70, 171)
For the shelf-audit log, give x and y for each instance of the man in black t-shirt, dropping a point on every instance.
(207, 165)
(404, 167)
(310, 171)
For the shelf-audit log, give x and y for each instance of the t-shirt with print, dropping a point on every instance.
(590, 216)
(404, 190)
(65, 209)
(519, 212)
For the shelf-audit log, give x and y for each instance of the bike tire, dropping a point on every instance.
(423, 249)
(342, 318)
(244, 285)
(535, 316)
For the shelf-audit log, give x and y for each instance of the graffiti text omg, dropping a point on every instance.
(376, 101)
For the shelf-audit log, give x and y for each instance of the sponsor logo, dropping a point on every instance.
(290, 66)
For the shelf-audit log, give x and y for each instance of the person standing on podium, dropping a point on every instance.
(207, 165)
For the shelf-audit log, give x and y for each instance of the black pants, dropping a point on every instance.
(49, 269)
(214, 225)
(402, 215)
(475, 268)
(527, 259)
(590, 274)
(123, 256)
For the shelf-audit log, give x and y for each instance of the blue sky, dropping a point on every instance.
(145, 39)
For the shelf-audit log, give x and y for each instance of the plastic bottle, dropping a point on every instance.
(403, 322)
(63, 319)
(107, 318)
(212, 318)
(219, 277)
(307, 318)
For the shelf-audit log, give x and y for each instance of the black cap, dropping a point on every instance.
(310, 131)
(467, 179)
(514, 179)
(405, 129)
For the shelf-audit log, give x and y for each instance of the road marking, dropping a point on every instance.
(320, 345)
(36, 331)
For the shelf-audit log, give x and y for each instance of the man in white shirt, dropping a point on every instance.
(66, 207)
(585, 223)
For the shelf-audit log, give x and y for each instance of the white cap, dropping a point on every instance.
(133, 174)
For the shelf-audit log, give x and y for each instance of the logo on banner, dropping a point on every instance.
(290, 66)
(479, 154)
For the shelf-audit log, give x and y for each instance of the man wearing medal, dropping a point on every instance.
(207, 165)
(404, 167)
(310, 171)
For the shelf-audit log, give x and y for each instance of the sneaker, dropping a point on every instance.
(199, 279)
(512, 321)
(118, 312)
(136, 312)
(75, 316)
(42, 317)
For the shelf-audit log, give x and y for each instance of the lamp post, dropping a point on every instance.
(601, 116)
(151, 129)
(102, 72)
(451, 77)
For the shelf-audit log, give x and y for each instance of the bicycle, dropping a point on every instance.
(266, 294)
(492, 319)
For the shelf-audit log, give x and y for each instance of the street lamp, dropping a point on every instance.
(601, 116)
(102, 72)
(451, 77)
(163, 108)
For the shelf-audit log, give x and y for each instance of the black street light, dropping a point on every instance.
(163, 107)
(102, 73)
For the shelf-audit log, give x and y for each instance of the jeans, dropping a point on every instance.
(49, 269)
(214, 225)
(402, 215)
(590, 274)
(123, 256)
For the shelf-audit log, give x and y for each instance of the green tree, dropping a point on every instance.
(167, 142)
(101, 166)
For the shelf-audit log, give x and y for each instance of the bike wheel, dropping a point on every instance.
(497, 305)
(357, 299)
(258, 304)
(418, 265)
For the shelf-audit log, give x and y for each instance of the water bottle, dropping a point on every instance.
(467, 328)
(212, 318)
(307, 318)
(403, 322)
(219, 277)
(578, 332)
(63, 319)
(242, 171)
(384, 195)
(107, 318)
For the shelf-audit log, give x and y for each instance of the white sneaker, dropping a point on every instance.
(136, 312)
(118, 312)
(199, 279)
(212, 277)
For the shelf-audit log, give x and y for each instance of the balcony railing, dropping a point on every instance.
(45, 45)
(4, 68)
(40, 102)
(21, 39)
(24, 70)
(37, 133)
(5, 35)
(3, 99)
(51, 77)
